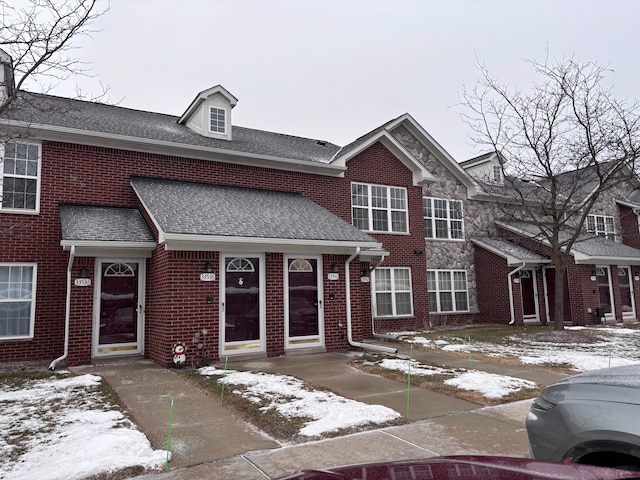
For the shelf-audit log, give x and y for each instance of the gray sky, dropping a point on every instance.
(334, 70)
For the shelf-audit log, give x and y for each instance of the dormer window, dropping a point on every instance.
(218, 120)
(497, 174)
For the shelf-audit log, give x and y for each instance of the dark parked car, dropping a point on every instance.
(467, 468)
(591, 418)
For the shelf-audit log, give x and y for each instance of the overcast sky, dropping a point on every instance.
(335, 70)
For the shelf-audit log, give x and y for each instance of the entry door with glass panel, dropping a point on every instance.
(242, 311)
(119, 308)
(626, 293)
(529, 291)
(604, 292)
(303, 303)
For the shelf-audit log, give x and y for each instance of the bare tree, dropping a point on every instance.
(560, 146)
(38, 38)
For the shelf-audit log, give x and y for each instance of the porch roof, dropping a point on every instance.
(514, 254)
(91, 227)
(199, 216)
(588, 249)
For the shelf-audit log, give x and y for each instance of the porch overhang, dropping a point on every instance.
(182, 242)
(113, 249)
(515, 255)
(583, 259)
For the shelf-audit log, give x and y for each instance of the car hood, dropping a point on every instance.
(465, 467)
(627, 376)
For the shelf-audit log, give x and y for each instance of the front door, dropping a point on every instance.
(242, 311)
(626, 293)
(603, 278)
(303, 302)
(529, 292)
(119, 308)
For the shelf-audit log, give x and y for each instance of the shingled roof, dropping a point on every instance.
(218, 213)
(47, 110)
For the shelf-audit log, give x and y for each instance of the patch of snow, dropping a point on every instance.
(67, 443)
(488, 384)
(289, 396)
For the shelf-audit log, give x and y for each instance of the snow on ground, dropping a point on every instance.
(290, 398)
(614, 347)
(66, 432)
(488, 384)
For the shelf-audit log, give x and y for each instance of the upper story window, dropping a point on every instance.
(442, 218)
(20, 175)
(379, 208)
(217, 120)
(496, 171)
(392, 292)
(601, 225)
(447, 290)
(17, 300)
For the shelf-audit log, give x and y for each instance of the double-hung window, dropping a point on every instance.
(601, 225)
(379, 208)
(217, 120)
(17, 300)
(447, 291)
(442, 218)
(392, 292)
(20, 177)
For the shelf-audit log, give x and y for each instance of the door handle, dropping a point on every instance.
(222, 307)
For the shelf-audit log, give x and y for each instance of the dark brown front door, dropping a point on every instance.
(550, 278)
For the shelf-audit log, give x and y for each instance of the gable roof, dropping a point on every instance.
(514, 254)
(589, 248)
(199, 216)
(202, 96)
(95, 227)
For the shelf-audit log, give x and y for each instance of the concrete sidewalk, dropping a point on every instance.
(210, 441)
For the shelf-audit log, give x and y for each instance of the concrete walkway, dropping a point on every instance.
(210, 441)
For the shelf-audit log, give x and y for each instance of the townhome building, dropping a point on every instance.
(126, 233)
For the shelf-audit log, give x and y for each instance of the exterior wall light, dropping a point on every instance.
(207, 267)
(334, 268)
(83, 272)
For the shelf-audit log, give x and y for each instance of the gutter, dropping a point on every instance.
(53, 364)
(509, 276)
(347, 281)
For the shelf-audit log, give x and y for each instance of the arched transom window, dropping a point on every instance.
(240, 265)
(300, 265)
(119, 270)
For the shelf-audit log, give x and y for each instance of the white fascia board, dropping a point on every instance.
(632, 205)
(175, 241)
(445, 157)
(122, 142)
(86, 248)
(581, 258)
(420, 173)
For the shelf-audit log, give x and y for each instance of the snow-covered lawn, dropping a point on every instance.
(63, 428)
(323, 412)
(602, 347)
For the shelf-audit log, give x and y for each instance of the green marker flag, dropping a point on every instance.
(166, 465)
(409, 381)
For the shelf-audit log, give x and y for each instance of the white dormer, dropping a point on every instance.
(485, 167)
(210, 113)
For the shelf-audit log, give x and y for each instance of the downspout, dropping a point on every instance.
(513, 313)
(67, 316)
(347, 281)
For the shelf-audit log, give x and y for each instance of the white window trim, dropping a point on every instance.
(393, 292)
(602, 233)
(496, 173)
(38, 178)
(448, 219)
(453, 291)
(389, 209)
(226, 120)
(33, 302)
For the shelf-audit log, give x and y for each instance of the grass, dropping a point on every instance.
(268, 420)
